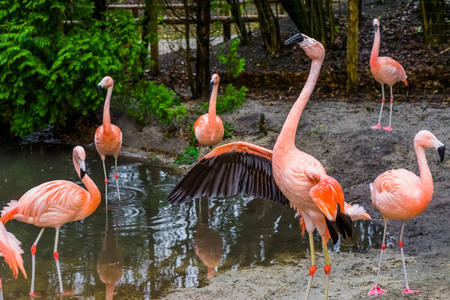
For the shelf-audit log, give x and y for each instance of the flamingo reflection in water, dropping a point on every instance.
(110, 260)
(208, 244)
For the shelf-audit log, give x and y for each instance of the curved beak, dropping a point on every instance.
(375, 27)
(82, 168)
(441, 151)
(99, 89)
(297, 38)
(211, 83)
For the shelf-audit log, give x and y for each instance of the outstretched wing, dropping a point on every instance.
(235, 168)
(327, 194)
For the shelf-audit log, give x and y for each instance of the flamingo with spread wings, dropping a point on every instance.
(53, 204)
(285, 175)
(385, 70)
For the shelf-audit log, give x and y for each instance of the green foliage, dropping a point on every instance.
(156, 100)
(189, 156)
(231, 100)
(228, 131)
(234, 65)
(49, 69)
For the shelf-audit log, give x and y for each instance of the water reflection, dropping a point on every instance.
(161, 245)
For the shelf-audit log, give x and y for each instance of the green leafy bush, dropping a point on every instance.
(49, 68)
(234, 65)
(152, 99)
(231, 100)
(189, 156)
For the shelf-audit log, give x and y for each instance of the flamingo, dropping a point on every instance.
(285, 175)
(209, 127)
(385, 70)
(53, 204)
(108, 137)
(402, 195)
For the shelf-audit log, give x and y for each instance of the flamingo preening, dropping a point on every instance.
(385, 70)
(402, 195)
(285, 175)
(209, 127)
(108, 137)
(53, 204)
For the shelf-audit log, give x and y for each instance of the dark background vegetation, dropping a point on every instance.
(161, 54)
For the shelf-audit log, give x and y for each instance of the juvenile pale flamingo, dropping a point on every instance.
(385, 70)
(53, 204)
(11, 251)
(402, 195)
(108, 137)
(286, 175)
(209, 127)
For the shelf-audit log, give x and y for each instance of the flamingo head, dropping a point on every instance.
(105, 83)
(79, 158)
(425, 138)
(312, 48)
(215, 79)
(376, 24)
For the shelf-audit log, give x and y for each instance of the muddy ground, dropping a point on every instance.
(338, 134)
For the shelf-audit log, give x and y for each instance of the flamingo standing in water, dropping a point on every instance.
(385, 70)
(402, 195)
(108, 137)
(285, 175)
(53, 204)
(209, 127)
(11, 251)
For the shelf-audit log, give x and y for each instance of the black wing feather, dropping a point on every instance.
(342, 225)
(229, 174)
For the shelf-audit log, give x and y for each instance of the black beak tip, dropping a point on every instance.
(99, 89)
(211, 83)
(297, 38)
(82, 173)
(441, 151)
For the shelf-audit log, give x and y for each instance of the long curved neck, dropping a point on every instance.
(375, 47)
(106, 109)
(94, 193)
(426, 180)
(212, 105)
(287, 134)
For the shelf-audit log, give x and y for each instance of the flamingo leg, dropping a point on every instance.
(327, 267)
(56, 255)
(389, 128)
(376, 290)
(407, 289)
(312, 269)
(378, 126)
(1, 289)
(117, 177)
(33, 261)
(106, 183)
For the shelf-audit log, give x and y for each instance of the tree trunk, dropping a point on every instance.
(202, 63)
(296, 12)
(433, 14)
(150, 33)
(331, 20)
(188, 50)
(352, 46)
(99, 8)
(236, 13)
(269, 27)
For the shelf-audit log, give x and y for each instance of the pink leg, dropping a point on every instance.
(33, 263)
(117, 179)
(312, 269)
(407, 289)
(389, 128)
(58, 268)
(376, 290)
(378, 126)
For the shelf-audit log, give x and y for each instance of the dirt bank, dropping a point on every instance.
(338, 134)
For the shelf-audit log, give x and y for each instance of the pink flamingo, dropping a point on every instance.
(286, 175)
(11, 251)
(53, 204)
(108, 137)
(385, 70)
(209, 127)
(402, 195)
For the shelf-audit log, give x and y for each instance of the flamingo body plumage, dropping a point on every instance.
(208, 128)
(285, 175)
(11, 251)
(385, 70)
(54, 203)
(402, 195)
